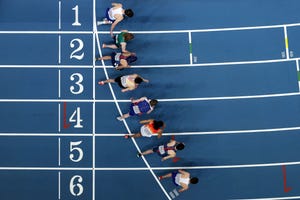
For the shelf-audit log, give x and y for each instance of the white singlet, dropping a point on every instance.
(145, 131)
(179, 180)
(127, 81)
(112, 12)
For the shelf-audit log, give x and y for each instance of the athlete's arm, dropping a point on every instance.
(184, 187)
(116, 5)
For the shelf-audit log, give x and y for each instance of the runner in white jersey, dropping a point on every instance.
(114, 15)
(181, 178)
(127, 82)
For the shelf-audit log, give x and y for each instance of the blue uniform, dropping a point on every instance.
(139, 108)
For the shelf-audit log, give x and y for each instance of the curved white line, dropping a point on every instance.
(125, 123)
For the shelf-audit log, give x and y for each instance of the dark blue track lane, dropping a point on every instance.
(213, 81)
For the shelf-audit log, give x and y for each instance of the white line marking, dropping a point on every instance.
(155, 32)
(126, 125)
(165, 134)
(59, 15)
(94, 103)
(286, 43)
(59, 145)
(59, 83)
(59, 112)
(222, 64)
(47, 66)
(59, 186)
(298, 71)
(211, 30)
(59, 49)
(272, 198)
(157, 66)
(46, 32)
(260, 165)
(235, 131)
(161, 100)
(190, 48)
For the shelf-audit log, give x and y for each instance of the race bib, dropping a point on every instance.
(161, 149)
(117, 57)
(136, 109)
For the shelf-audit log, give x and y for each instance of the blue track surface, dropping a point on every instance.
(225, 73)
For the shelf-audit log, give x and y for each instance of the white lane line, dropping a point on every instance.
(258, 165)
(190, 48)
(59, 185)
(59, 83)
(59, 49)
(59, 151)
(156, 32)
(221, 64)
(298, 73)
(59, 112)
(94, 103)
(273, 198)
(161, 100)
(46, 32)
(59, 15)
(157, 66)
(211, 30)
(286, 43)
(165, 134)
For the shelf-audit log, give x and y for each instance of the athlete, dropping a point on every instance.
(127, 82)
(120, 41)
(150, 127)
(114, 15)
(139, 106)
(181, 178)
(120, 60)
(166, 151)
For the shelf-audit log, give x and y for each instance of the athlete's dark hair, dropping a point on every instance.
(129, 13)
(157, 124)
(132, 58)
(194, 180)
(128, 36)
(138, 80)
(180, 146)
(153, 102)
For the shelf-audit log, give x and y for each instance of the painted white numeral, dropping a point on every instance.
(78, 82)
(76, 188)
(75, 117)
(76, 10)
(78, 45)
(73, 148)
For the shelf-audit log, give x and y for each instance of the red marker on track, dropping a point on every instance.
(66, 125)
(286, 188)
(176, 159)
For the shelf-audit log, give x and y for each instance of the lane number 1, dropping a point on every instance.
(76, 22)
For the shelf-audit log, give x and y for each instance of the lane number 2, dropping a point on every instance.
(77, 44)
